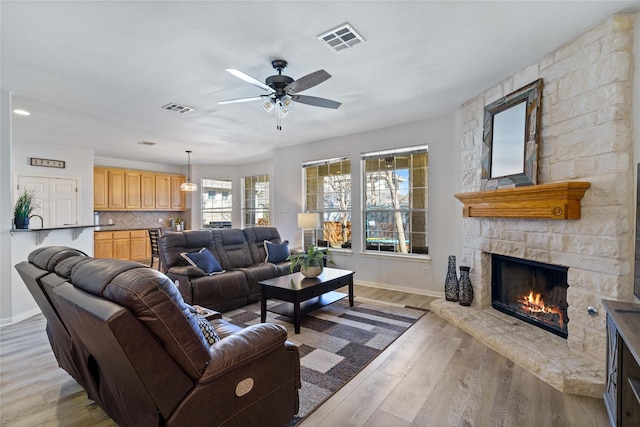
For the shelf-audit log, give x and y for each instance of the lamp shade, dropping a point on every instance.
(188, 186)
(308, 220)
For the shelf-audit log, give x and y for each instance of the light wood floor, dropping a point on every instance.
(433, 375)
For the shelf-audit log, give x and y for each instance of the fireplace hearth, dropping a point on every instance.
(531, 291)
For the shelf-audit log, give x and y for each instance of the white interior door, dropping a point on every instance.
(64, 200)
(56, 198)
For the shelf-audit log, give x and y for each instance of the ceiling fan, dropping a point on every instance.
(282, 91)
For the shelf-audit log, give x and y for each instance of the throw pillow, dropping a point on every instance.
(209, 333)
(276, 252)
(204, 260)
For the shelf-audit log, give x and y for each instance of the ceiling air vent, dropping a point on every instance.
(341, 38)
(147, 143)
(182, 109)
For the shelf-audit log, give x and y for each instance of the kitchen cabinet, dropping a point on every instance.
(177, 195)
(100, 189)
(138, 247)
(163, 192)
(126, 244)
(147, 191)
(103, 245)
(121, 245)
(125, 189)
(116, 189)
(132, 190)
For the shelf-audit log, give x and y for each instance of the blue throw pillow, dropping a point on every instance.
(204, 260)
(276, 252)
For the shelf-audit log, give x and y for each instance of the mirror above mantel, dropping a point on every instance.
(511, 137)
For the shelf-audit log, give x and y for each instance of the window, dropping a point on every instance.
(328, 192)
(396, 200)
(255, 200)
(217, 204)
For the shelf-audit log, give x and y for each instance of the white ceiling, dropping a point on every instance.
(95, 74)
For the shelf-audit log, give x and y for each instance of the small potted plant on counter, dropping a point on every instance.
(179, 224)
(23, 208)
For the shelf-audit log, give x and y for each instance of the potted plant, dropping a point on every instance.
(23, 208)
(311, 262)
(179, 224)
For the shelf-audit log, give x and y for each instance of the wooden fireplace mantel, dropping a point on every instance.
(559, 200)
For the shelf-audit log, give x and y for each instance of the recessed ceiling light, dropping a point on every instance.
(341, 38)
(22, 112)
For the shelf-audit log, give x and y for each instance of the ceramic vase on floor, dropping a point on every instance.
(465, 296)
(451, 284)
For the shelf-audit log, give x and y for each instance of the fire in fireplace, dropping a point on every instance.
(531, 291)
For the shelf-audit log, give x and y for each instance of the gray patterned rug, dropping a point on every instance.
(335, 342)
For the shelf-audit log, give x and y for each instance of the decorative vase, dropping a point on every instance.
(451, 284)
(311, 271)
(21, 222)
(465, 296)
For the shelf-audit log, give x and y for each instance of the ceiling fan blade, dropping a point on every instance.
(235, 101)
(308, 81)
(247, 78)
(315, 101)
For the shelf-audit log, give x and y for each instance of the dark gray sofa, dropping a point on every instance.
(240, 252)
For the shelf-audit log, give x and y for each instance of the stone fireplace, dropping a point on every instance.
(586, 136)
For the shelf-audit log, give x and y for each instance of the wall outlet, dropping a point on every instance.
(425, 271)
(160, 220)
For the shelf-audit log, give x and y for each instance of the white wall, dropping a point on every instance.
(393, 272)
(146, 166)
(79, 165)
(6, 206)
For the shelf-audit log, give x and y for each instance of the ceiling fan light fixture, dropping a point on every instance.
(188, 186)
(287, 103)
(268, 105)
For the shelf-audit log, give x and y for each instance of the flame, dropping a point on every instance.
(533, 303)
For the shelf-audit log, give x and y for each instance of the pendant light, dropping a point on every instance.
(188, 186)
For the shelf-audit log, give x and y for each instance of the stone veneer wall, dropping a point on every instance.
(586, 136)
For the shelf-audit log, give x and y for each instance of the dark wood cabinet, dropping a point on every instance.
(622, 392)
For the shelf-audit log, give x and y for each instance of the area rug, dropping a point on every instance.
(335, 342)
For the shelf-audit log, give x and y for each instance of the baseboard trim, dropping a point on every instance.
(425, 292)
(19, 317)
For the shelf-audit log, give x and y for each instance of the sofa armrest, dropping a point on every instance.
(186, 270)
(248, 344)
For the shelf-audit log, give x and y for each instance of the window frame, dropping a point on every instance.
(415, 211)
(338, 166)
(254, 211)
(226, 208)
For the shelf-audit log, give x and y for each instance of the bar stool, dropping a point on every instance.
(154, 235)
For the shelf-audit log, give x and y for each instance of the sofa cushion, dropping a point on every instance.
(276, 252)
(204, 260)
(232, 248)
(256, 236)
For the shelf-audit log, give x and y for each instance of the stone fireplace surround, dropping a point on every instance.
(586, 136)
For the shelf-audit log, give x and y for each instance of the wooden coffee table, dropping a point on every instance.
(302, 295)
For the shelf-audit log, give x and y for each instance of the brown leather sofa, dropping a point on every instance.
(123, 331)
(240, 252)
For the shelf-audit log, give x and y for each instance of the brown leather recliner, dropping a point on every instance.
(142, 357)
